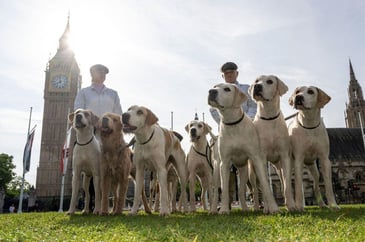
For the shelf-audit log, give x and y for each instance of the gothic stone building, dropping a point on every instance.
(62, 82)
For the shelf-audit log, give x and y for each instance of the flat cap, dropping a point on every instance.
(229, 66)
(98, 67)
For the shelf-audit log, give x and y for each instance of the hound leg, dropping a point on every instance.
(225, 166)
(215, 187)
(192, 181)
(162, 180)
(243, 175)
(75, 191)
(138, 188)
(327, 175)
(315, 174)
(85, 185)
(299, 193)
(254, 187)
(96, 180)
(270, 205)
(286, 178)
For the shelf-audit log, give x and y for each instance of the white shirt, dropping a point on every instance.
(99, 102)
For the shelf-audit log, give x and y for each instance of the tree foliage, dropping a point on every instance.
(6, 170)
(14, 186)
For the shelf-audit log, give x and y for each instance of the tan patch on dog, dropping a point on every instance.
(323, 98)
(168, 140)
(151, 118)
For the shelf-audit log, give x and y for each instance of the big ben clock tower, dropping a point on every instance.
(62, 81)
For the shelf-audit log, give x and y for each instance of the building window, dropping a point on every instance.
(358, 177)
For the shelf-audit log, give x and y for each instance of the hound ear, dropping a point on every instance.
(322, 98)
(151, 118)
(239, 97)
(94, 119)
(187, 127)
(282, 88)
(71, 117)
(292, 97)
(207, 128)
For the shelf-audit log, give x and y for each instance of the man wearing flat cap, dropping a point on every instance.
(230, 74)
(97, 97)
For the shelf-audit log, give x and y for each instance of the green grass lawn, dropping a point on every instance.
(314, 224)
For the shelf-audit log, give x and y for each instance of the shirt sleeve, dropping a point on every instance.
(251, 106)
(117, 106)
(215, 115)
(79, 100)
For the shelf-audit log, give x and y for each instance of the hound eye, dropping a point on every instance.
(226, 89)
(200, 126)
(297, 91)
(310, 91)
(257, 80)
(269, 82)
(139, 112)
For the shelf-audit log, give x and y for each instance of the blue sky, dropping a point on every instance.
(166, 54)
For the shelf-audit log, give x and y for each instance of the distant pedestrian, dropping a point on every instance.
(12, 208)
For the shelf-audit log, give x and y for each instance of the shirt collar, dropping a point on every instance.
(98, 87)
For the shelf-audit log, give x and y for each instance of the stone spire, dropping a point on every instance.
(352, 74)
(64, 41)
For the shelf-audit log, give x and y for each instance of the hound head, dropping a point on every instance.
(82, 118)
(197, 129)
(308, 97)
(137, 117)
(226, 95)
(266, 88)
(110, 123)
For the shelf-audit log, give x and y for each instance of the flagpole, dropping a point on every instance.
(60, 210)
(20, 207)
(172, 120)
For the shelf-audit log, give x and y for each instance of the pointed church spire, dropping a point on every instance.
(352, 74)
(64, 40)
(356, 105)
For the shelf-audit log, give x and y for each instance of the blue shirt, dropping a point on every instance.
(249, 107)
(99, 102)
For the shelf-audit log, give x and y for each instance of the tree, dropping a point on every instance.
(14, 186)
(6, 170)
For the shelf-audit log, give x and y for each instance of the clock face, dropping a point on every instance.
(60, 81)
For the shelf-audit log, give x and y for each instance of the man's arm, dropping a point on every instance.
(117, 106)
(251, 108)
(79, 100)
(215, 115)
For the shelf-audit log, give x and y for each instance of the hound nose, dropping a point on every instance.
(78, 118)
(257, 88)
(212, 94)
(299, 100)
(125, 118)
(193, 132)
(104, 122)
